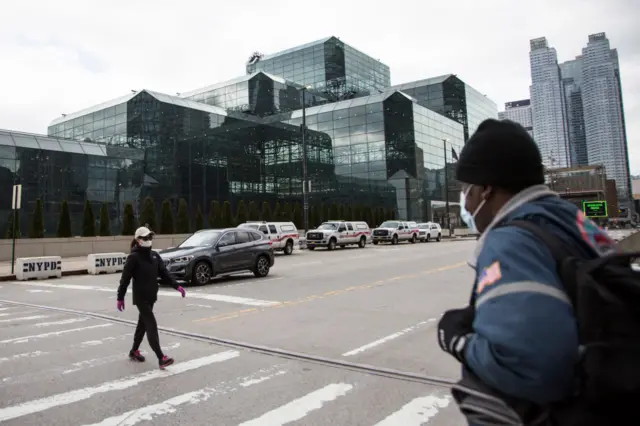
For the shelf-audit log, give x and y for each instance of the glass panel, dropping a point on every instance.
(49, 144)
(6, 139)
(26, 141)
(92, 149)
(69, 146)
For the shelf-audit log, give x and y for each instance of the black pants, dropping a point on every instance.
(147, 323)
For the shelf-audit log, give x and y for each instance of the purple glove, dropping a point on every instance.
(181, 290)
(120, 305)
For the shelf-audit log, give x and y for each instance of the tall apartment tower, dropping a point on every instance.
(548, 105)
(606, 139)
(571, 72)
(520, 112)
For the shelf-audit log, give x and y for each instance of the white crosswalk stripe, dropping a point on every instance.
(80, 365)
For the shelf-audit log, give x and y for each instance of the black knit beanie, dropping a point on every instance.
(500, 153)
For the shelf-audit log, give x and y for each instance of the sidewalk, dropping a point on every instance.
(70, 266)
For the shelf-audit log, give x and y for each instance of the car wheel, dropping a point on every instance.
(439, 237)
(202, 273)
(428, 238)
(362, 243)
(262, 267)
(394, 239)
(375, 243)
(288, 248)
(414, 239)
(332, 244)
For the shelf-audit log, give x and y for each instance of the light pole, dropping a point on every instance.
(446, 185)
(305, 172)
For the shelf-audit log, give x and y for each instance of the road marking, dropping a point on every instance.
(39, 291)
(90, 343)
(61, 322)
(24, 355)
(66, 398)
(379, 283)
(198, 306)
(53, 333)
(301, 407)
(150, 412)
(416, 412)
(204, 296)
(388, 338)
(25, 318)
(90, 363)
(4, 309)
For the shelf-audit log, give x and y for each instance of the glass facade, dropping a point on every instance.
(327, 66)
(452, 98)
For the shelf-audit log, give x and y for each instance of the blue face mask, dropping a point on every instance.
(465, 215)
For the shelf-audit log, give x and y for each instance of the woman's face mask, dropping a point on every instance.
(145, 242)
(467, 217)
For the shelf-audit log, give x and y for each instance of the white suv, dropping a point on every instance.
(394, 231)
(339, 233)
(430, 231)
(284, 236)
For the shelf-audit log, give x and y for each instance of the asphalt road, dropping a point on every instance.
(377, 306)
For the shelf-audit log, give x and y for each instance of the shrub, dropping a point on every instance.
(254, 213)
(105, 222)
(265, 214)
(241, 213)
(287, 212)
(182, 218)
(298, 216)
(36, 230)
(226, 217)
(148, 214)
(277, 213)
(88, 221)
(166, 221)
(333, 212)
(64, 221)
(199, 219)
(10, 228)
(129, 224)
(215, 215)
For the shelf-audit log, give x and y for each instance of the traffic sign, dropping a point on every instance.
(595, 208)
(16, 197)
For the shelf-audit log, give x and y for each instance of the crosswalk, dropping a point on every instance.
(60, 369)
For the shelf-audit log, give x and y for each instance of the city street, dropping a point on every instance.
(376, 306)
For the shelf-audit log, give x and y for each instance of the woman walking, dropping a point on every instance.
(145, 267)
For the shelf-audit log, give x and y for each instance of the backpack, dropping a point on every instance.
(605, 294)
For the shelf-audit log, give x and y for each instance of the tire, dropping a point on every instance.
(202, 273)
(439, 238)
(414, 239)
(428, 238)
(262, 267)
(288, 248)
(332, 244)
(394, 240)
(362, 243)
(375, 243)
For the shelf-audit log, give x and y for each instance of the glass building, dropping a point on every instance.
(453, 98)
(368, 144)
(327, 66)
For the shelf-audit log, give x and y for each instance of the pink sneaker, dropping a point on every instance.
(165, 362)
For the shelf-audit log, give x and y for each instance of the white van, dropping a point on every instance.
(341, 233)
(284, 236)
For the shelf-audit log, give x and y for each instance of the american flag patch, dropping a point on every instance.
(489, 275)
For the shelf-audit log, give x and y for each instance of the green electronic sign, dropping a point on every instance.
(595, 208)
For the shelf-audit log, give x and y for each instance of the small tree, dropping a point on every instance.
(88, 221)
(182, 218)
(265, 214)
(298, 216)
(167, 220)
(9, 233)
(347, 213)
(333, 212)
(314, 217)
(105, 222)
(64, 221)
(356, 213)
(226, 217)
(199, 219)
(129, 224)
(287, 212)
(148, 214)
(215, 215)
(36, 230)
(277, 213)
(241, 213)
(254, 213)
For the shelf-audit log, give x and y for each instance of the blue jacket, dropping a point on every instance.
(525, 340)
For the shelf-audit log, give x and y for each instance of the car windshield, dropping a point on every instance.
(249, 225)
(328, 225)
(201, 239)
(389, 224)
(424, 226)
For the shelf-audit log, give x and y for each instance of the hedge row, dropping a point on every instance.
(219, 216)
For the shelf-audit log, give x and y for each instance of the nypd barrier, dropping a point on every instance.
(105, 263)
(38, 267)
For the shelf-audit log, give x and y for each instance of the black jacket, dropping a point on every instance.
(144, 266)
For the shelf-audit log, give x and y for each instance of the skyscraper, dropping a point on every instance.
(605, 132)
(520, 112)
(571, 72)
(548, 105)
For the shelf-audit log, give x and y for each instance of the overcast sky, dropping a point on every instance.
(61, 56)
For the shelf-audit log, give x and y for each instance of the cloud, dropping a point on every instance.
(59, 57)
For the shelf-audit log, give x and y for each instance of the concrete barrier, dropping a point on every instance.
(631, 243)
(105, 263)
(38, 267)
(80, 246)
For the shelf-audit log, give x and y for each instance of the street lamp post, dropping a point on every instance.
(446, 185)
(305, 172)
